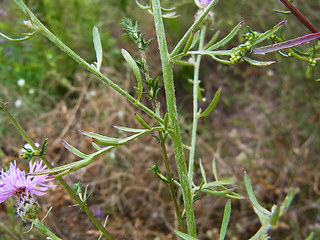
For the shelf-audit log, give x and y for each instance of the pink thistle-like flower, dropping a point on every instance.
(14, 182)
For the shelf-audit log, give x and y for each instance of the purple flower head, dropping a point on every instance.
(14, 182)
(203, 3)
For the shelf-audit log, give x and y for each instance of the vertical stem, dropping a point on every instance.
(173, 116)
(195, 105)
(170, 182)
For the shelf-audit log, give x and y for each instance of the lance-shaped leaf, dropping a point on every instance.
(195, 39)
(203, 173)
(287, 44)
(131, 130)
(275, 216)
(189, 42)
(97, 46)
(257, 62)
(213, 54)
(212, 105)
(262, 213)
(109, 141)
(287, 201)
(268, 33)
(132, 63)
(184, 236)
(142, 122)
(212, 40)
(219, 193)
(210, 185)
(73, 149)
(225, 220)
(214, 170)
(226, 39)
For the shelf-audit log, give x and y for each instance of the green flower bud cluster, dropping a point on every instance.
(312, 62)
(239, 51)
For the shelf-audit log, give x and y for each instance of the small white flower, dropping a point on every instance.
(31, 91)
(18, 103)
(21, 82)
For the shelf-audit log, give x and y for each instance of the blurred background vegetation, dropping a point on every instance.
(267, 120)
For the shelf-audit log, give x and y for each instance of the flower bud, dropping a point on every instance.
(202, 3)
(28, 208)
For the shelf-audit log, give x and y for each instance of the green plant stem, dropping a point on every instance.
(41, 228)
(39, 26)
(61, 181)
(185, 37)
(173, 117)
(170, 182)
(195, 105)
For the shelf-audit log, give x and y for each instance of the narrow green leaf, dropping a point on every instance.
(225, 220)
(109, 141)
(262, 213)
(103, 140)
(268, 33)
(132, 63)
(310, 237)
(212, 40)
(203, 173)
(257, 62)
(200, 98)
(219, 183)
(142, 122)
(225, 40)
(281, 11)
(183, 63)
(275, 216)
(214, 169)
(287, 201)
(166, 120)
(131, 130)
(146, 7)
(212, 105)
(73, 149)
(184, 236)
(189, 42)
(195, 39)
(216, 193)
(97, 46)
(96, 146)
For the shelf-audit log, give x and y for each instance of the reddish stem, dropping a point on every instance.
(300, 16)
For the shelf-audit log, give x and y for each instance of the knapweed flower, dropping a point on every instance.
(14, 182)
(203, 3)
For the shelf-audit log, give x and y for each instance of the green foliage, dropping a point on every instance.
(41, 64)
